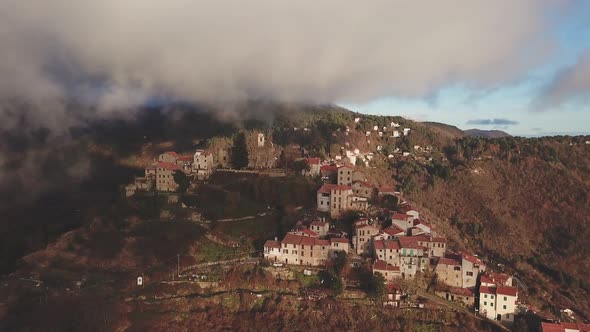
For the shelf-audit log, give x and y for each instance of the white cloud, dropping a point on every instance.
(321, 51)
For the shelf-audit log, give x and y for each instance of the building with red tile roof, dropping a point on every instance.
(498, 303)
(300, 249)
(390, 272)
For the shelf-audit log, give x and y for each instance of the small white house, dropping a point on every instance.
(375, 128)
(396, 133)
(406, 131)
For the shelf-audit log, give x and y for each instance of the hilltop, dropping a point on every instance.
(522, 204)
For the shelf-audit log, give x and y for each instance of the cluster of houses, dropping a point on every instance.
(160, 174)
(405, 248)
(345, 188)
(309, 246)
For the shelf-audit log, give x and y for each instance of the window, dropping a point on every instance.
(485, 296)
(504, 307)
(492, 297)
(469, 273)
(505, 298)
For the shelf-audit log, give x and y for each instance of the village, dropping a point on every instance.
(397, 247)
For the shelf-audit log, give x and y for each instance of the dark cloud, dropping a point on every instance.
(492, 122)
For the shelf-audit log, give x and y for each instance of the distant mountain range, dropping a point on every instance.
(486, 133)
(454, 132)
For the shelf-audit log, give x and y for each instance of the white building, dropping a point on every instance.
(498, 303)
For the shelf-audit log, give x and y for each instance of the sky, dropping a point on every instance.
(520, 107)
(519, 66)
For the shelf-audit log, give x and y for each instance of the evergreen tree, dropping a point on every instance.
(182, 181)
(239, 152)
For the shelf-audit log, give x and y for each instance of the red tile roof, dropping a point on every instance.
(292, 239)
(339, 240)
(470, 258)
(439, 239)
(422, 237)
(485, 280)
(552, 327)
(448, 261)
(313, 161)
(307, 241)
(319, 242)
(391, 288)
(361, 226)
(461, 291)
(328, 187)
(348, 167)
(171, 153)
(384, 266)
(409, 242)
(393, 230)
(185, 158)
(329, 168)
(309, 232)
(507, 290)
(387, 189)
(487, 290)
(364, 184)
(387, 244)
(498, 277)
(169, 166)
(272, 244)
(405, 208)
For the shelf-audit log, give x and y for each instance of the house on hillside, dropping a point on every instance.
(459, 269)
(498, 303)
(345, 175)
(404, 252)
(314, 167)
(387, 190)
(464, 296)
(393, 295)
(408, 209)
(329, 173)
(185, 163)
(362, 238)
(165, 176)
(392, 232)
(336, 199)
(389, 272)
(320, 227)
(448, 271)
(402, 220)
(202, 164)
(303, 250)
(168, 157)
(362, 189)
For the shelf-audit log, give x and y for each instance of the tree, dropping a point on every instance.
(301, 165)
(182, 181)
(390, 202)
(239, 152)
(377, 286)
